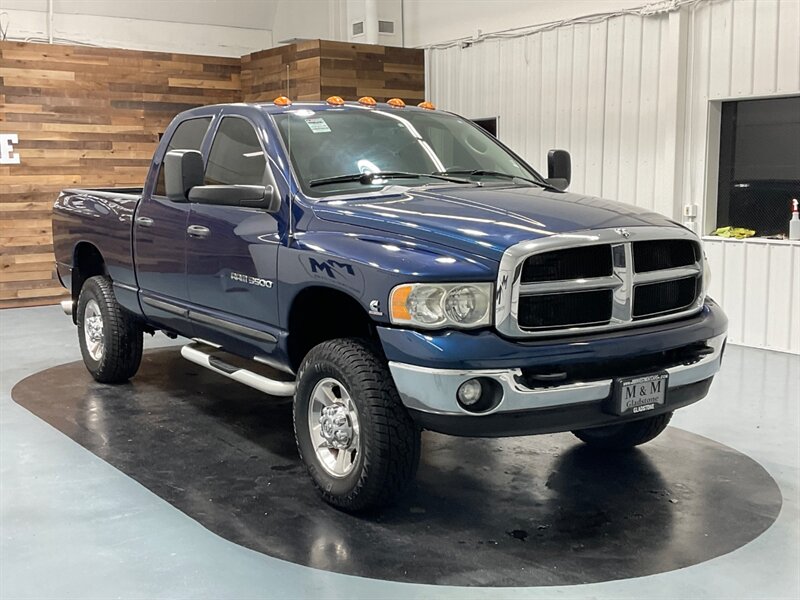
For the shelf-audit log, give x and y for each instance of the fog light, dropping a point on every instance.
(469, 393)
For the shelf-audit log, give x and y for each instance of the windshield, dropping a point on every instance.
(331, 150)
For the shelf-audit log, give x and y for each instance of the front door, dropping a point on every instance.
(160, 240)
(232, 252)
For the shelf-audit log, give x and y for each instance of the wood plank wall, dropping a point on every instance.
(264, 73)
(91, 117)
(383, 72)
(86, 117)
(320, 68)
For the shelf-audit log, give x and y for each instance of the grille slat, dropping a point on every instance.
(570, 309)
(570, 263)
(664, 297)
(657, 255)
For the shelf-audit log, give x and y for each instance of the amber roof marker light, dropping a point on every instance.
(427, 105)
(282, 101)
(335, 101)
(396, 103)
(367, 101)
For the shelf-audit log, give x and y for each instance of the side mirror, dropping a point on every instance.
(251, 196)
(559, 169)
(183, 169)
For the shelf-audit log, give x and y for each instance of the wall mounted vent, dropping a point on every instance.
(358, 28)
(385, 26)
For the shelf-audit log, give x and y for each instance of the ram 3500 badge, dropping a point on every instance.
(393, 269)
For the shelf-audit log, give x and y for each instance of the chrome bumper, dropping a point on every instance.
(434, 390)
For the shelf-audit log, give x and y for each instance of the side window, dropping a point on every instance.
(188, 136)
(236, 156)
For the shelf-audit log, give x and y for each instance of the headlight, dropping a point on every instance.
(438, 305)
(706, 275)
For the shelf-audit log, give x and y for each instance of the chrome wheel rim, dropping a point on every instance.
(93, 330)
(333, 423)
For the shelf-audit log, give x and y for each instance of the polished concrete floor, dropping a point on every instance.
(73, 525)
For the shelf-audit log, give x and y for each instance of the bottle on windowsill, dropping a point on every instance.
(794, 224)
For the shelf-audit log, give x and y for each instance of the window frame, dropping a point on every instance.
(211, 119)
(259, 139)
(708, 218)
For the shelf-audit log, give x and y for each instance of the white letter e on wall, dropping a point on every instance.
(7, 154)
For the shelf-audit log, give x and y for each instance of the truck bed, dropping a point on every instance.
(101, 218)
(115, 192)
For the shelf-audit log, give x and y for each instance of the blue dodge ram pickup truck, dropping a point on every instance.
(393, 269)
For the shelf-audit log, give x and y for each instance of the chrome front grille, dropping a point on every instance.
(598, 280)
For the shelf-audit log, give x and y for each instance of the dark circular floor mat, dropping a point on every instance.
(542, 510)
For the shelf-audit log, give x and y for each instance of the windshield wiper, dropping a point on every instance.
(367, 178)
(491, 173)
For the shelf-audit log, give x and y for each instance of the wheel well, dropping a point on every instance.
(87, 263)
(319, 314)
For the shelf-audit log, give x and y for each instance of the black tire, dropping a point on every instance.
(121, 353)
(624, 435)
(387, 456)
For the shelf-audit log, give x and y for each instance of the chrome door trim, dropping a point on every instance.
(198, 231)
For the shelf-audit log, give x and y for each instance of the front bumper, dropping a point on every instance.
(430, 394)
(429, 391)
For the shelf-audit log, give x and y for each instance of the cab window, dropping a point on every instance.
(188, 136)
(236, 156)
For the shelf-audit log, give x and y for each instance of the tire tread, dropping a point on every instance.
(390, 463)
(123, 334)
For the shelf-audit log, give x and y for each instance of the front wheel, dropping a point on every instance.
(624, 435)
(356, 438)
(110, 338)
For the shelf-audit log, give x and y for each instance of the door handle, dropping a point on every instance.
(198, 231)
(144, 221)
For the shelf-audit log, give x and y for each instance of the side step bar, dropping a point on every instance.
(202, 355)
(66, 306)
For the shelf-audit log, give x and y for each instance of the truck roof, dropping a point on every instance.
(316, 105)
(271, 108)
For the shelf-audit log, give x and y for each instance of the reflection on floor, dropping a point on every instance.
(540, 510)
(221, 459)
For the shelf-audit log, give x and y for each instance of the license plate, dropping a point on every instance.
(642, 394)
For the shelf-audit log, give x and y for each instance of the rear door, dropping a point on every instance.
(232, 252)
(160, 239)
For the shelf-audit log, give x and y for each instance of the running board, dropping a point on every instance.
(202, 355)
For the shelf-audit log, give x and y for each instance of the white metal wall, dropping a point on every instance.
(737, 49)
(591, 89)
(758, 283)
(635, 101)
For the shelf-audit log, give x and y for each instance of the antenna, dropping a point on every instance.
(289, 152)
(289, 125)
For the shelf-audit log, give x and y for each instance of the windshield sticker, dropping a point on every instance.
(318, 125)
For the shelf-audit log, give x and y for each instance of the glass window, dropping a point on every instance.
(759, 164)
(188, 136)
(345, 142)
(489, 125)
(236, 156)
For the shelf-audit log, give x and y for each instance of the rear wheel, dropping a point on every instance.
(359, 444)
(624, 435)
(110, 338)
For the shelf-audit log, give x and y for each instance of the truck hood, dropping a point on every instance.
(484, 220)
